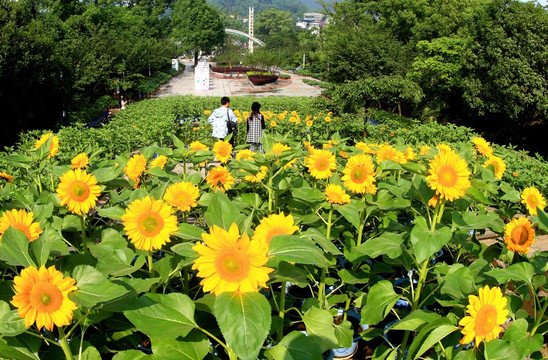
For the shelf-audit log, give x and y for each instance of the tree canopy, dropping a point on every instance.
(197, 26)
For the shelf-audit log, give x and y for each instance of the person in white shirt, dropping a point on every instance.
(220, 118)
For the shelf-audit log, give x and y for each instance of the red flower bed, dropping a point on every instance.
(262, 79)
(233, 69)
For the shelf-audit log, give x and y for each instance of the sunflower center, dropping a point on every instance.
(486, 320)
(358, 174)
(151, 224)
(79, 191)
(183, 198)
(233, 265)
(448, 177)
(520, 235)
(219, 178)
(223, 151)
(322, 164)
(46, 298)
(533, 201)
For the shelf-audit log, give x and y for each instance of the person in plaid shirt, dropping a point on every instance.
(255, 127)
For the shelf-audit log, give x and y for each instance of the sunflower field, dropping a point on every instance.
(328, 245)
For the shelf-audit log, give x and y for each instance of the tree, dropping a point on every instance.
(506, 63)
(358, 48)
(197, 26)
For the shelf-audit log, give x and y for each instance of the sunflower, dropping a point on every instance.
(78, 190)
(449, 175)
(309, 123)
(219, 178)
(387, 152)
(498, 164)
(207, 112)
(20, 220)
(272, 123)
(223, 151)
(41, 296)
(486, 313)
(149, 223)
(159, 161)
(182, 195)
(424, 149)
(532, 198)
(53, 147)
(135, 167)
(335, 194)
(6, 176)
(343, 154)
(196, 145)
(309, 147)
(410, 154)
(365, 148)
(245, 154)
(483, 147)
(275, 224)
(80, 161)
(278, 148)
(433, 202)
(443, 148)
(230, 262)
(321, 164)
(519, 235)
(258, 177)
(327, 119)
(359, 174)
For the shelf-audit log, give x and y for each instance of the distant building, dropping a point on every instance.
(312, 21)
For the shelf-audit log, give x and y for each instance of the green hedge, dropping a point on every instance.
(155, 121)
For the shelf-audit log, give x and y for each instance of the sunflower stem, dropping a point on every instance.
(328, 233)
(64, 344)
(539, 318)
(186, 283)
(52, 182)
(39, 182)
(228, 350)
(270, 195)
(43, 338)
(150, 269)
(282, 311)
(83, 225)
(69, 334)
(510, 257)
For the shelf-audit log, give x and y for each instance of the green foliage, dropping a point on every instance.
(505, 61)
(60, 57)
(197, 26)
(382, 91)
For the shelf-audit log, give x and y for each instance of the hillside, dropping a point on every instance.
(295, 7)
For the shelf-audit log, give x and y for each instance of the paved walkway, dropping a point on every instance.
(183, 84)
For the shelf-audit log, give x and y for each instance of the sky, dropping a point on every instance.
(541, 2)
